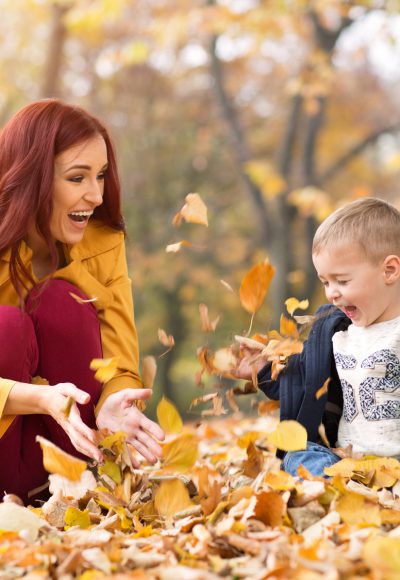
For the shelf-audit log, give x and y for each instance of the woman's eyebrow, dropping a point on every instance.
(83, 166)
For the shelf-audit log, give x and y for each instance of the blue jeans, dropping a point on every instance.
(315, 458)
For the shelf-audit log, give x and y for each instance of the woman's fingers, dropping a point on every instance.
(152, 428)
(142, 449)
(149, 442)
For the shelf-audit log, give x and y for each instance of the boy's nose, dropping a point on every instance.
(332, 293)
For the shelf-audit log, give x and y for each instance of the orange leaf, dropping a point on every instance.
(254, 286)
(149, 371)
(324, 389)
(254, 462)
(55, 460)
(165, 339)
(288, 327)
(270, 508)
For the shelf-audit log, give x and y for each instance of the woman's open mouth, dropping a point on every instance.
(80, 217)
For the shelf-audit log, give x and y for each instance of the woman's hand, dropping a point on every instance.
(61, 403)
(119, 413)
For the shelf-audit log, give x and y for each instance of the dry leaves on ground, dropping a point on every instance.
(216, 505)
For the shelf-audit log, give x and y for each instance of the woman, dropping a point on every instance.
(62, 244)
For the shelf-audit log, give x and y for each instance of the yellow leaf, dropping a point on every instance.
(280, 481)
(75, 517)
(105, 368)
(180, 454)
(292, 304)
(171, 497)
(254, 286)
(169, 417)
(378, 465)
(55, 460)
(118, 439)
(289, 436)
(355, 510)
(149, 371)
(382, 555)
(194, 211)
(111, 469)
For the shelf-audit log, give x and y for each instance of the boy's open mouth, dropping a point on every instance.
(350, 311)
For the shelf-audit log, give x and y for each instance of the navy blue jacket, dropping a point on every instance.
(305, 373)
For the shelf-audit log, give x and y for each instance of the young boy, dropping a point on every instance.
(356, 253)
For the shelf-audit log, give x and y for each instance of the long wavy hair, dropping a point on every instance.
(29, 144)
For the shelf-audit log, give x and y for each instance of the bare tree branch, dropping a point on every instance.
(354, 151)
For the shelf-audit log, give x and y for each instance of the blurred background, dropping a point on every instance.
(274, 111)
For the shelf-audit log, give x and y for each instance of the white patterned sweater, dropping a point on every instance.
(368, 363)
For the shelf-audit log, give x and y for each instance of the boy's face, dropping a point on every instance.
(365, 291)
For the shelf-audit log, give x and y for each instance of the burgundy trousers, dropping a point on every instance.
(56, 338)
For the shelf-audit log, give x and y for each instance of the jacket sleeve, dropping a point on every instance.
(118, 331)
(269, 387)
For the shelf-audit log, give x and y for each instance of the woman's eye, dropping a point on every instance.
(101, 176)
(76, 179)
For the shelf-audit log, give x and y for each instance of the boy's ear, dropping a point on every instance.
(391, 268)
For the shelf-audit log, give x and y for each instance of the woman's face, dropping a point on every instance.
(78, 188)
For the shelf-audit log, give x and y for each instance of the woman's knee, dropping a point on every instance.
(19, 352)
(54, 307)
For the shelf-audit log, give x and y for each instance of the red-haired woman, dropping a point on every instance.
(61, 243)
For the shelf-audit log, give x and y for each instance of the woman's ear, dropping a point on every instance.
(391, 269)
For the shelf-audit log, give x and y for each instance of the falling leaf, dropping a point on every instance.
(76, 489)
(168, 417)
(166, 339)
(292, 304)
(203, 399)
(324, 389)
(194, 211)
(174, 248)
(289, 436)
(217, 408)
(171, 497)
(75, 517)
(82, 300)
(265, 176)
(254, 286)
(230, 397)
(267, 407)
(288, 327)
(55, 460)
(224, 360)
(249, 342)
(181, 453)
(149, 371)
(227, 286)
(206, 324)
(105, 368)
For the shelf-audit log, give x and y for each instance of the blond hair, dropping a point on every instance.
(372, 223)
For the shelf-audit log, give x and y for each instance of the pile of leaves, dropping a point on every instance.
(216, 505)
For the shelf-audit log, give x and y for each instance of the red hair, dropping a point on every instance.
(29, 144)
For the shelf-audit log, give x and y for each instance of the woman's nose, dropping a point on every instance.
(95, 192)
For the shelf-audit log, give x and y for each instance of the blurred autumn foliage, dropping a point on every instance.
(273, 111)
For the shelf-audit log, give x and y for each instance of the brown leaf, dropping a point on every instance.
(267, 407)
(254, 462)
(206, 324)
(270, 508)
(166, 339)
(149, 371)
(254, 286)
(209, 489)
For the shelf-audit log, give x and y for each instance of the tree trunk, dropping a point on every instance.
(58, 35)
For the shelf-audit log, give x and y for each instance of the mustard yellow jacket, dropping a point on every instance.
(97, 265)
